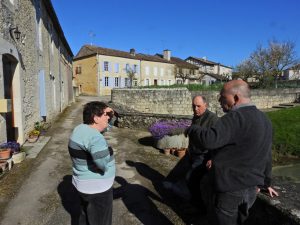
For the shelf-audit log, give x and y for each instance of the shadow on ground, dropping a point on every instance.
(181, 208)
(147, 141)
(69, 198)
(139, 201)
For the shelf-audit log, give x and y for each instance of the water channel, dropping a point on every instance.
(291, 171)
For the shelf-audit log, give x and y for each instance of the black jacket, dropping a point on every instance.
(242, 140)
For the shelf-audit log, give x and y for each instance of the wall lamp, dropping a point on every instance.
(52, 77)
(15, 33)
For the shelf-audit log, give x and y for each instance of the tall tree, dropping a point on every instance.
(131, 76)
(268, 63)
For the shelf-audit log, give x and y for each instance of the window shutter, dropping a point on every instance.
(110, 82)
(103, 66)
(138, 69)
(122, 82)
(109, 67)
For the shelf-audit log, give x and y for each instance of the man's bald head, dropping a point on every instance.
(233, 93)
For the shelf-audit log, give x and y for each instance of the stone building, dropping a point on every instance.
(98, 70)
(35, 67)
(210, 70)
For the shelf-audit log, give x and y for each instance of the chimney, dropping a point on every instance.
(132, 51)
(167, 54)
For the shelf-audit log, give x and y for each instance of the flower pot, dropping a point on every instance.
(167, 151)
(18, 157)
(3, 165)
(32, 139)
(181, 152)
(5, 153)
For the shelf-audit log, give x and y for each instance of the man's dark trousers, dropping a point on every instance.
(231, 208)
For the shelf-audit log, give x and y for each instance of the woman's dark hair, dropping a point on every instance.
(92, 109)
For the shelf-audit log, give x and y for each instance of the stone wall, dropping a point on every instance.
(29, 61)
(178, 101)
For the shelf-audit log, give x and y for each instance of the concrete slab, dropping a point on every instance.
(36, 147)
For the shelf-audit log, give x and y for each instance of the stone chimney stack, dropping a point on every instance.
(132, 51)
(167, 54)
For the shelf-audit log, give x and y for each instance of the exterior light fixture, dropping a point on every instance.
(15, 33)
(52, 77)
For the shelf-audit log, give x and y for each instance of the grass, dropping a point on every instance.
(286, 125)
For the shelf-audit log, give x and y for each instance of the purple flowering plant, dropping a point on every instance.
(13, 145)
(168, 127)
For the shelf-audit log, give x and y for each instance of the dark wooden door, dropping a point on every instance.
(9, 66)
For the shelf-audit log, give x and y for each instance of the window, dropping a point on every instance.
(155, 71)
(106, 81)
(116, 81)
(179, 82)
(126, 82)
(135, 68)
(169, 72)
(134, 83)
(170, 82)
(105, 66)
(127, 68)
(78, 70)
(147, 83)
(40, 35)
(162, 72)
(147, 70)
(117, 67)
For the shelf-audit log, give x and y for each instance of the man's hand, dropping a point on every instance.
(209, 164)
(272, 193)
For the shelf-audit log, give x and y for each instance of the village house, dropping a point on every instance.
(184, 72)
(35, 67)
(292, 73)
(211, 71)
(98, 70)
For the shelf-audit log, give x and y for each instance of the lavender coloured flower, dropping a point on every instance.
(161, 128)
(13, 145)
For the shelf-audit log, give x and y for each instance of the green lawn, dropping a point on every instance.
(286, 125)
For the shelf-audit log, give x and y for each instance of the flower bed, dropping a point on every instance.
(164, 127)
(169, 134)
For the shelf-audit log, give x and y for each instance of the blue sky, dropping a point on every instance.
(223, 31)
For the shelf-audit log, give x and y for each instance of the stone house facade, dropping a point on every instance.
(211, 71)
(35, 67)
(98, 70)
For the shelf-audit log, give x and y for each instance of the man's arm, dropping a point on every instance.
(216, 136)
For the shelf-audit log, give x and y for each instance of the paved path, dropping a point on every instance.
(47, 197)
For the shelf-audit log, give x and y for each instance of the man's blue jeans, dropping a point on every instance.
(231, 208)
(96, 209)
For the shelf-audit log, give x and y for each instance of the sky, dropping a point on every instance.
(223, 31)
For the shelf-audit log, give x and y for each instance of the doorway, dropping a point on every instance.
(9, 66)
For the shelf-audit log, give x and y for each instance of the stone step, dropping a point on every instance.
(279, 107)
(287, 104)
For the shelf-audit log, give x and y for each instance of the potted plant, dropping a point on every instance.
(5, 152)
(33, 136)
(170, 133)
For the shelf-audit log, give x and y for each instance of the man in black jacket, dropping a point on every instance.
(200, 158)
(241, 141)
